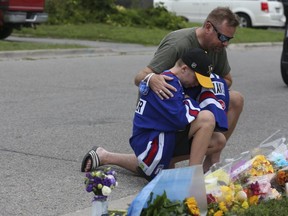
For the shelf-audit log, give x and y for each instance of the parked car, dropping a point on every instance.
(252, 13)
(285, 5)
(15, 14)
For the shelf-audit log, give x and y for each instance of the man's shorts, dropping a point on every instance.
(183, 143)
(154, 150)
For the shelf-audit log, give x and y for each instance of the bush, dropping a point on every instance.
(107, 12)
(98, 10)
(161, 18)
(63, 12)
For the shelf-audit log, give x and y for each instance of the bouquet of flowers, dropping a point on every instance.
(257, 166)
(229, 198)
(101, 183)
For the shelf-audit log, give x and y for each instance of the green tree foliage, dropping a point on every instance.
(107, 12)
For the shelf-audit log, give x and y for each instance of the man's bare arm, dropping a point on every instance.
(157, 83)
(141, 75)
(228, 79)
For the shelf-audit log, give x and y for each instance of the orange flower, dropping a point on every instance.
(282, 177)
(253, 200)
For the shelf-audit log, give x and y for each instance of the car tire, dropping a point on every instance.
(244, 20)
(5, 31)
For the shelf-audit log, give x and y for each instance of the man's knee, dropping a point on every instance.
(221, 140)
(236, 101)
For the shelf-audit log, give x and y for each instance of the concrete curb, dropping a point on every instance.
(66, 52)
(120, 204)
(251, 45)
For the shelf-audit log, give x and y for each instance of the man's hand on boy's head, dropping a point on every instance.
(159, 85)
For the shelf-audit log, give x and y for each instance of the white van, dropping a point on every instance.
(252, 13)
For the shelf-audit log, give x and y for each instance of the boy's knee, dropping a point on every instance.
(206, 117)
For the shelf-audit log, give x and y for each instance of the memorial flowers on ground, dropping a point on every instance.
(249, 181)
(234, 188)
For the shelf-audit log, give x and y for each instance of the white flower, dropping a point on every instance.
(106, 191)
(241, 196)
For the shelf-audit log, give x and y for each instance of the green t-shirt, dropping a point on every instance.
(173, 46)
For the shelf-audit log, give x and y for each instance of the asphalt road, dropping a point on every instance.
(54, 107)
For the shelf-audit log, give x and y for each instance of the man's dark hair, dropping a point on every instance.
(221, 14)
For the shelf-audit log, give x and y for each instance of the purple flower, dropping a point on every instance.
(98, 181)
(89, 188)
(111, 172)
(107, 182)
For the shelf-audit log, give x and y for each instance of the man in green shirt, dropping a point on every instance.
(218, 28)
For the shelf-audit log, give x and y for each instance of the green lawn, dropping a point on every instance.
(140, 35)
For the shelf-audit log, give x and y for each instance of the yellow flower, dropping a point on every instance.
(227, 195)
(245, 205)
(223, 207)
(261, 166)
(219, 213)
(192, 206)
(225, 189)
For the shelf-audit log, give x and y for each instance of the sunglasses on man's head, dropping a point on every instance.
(223, 38)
